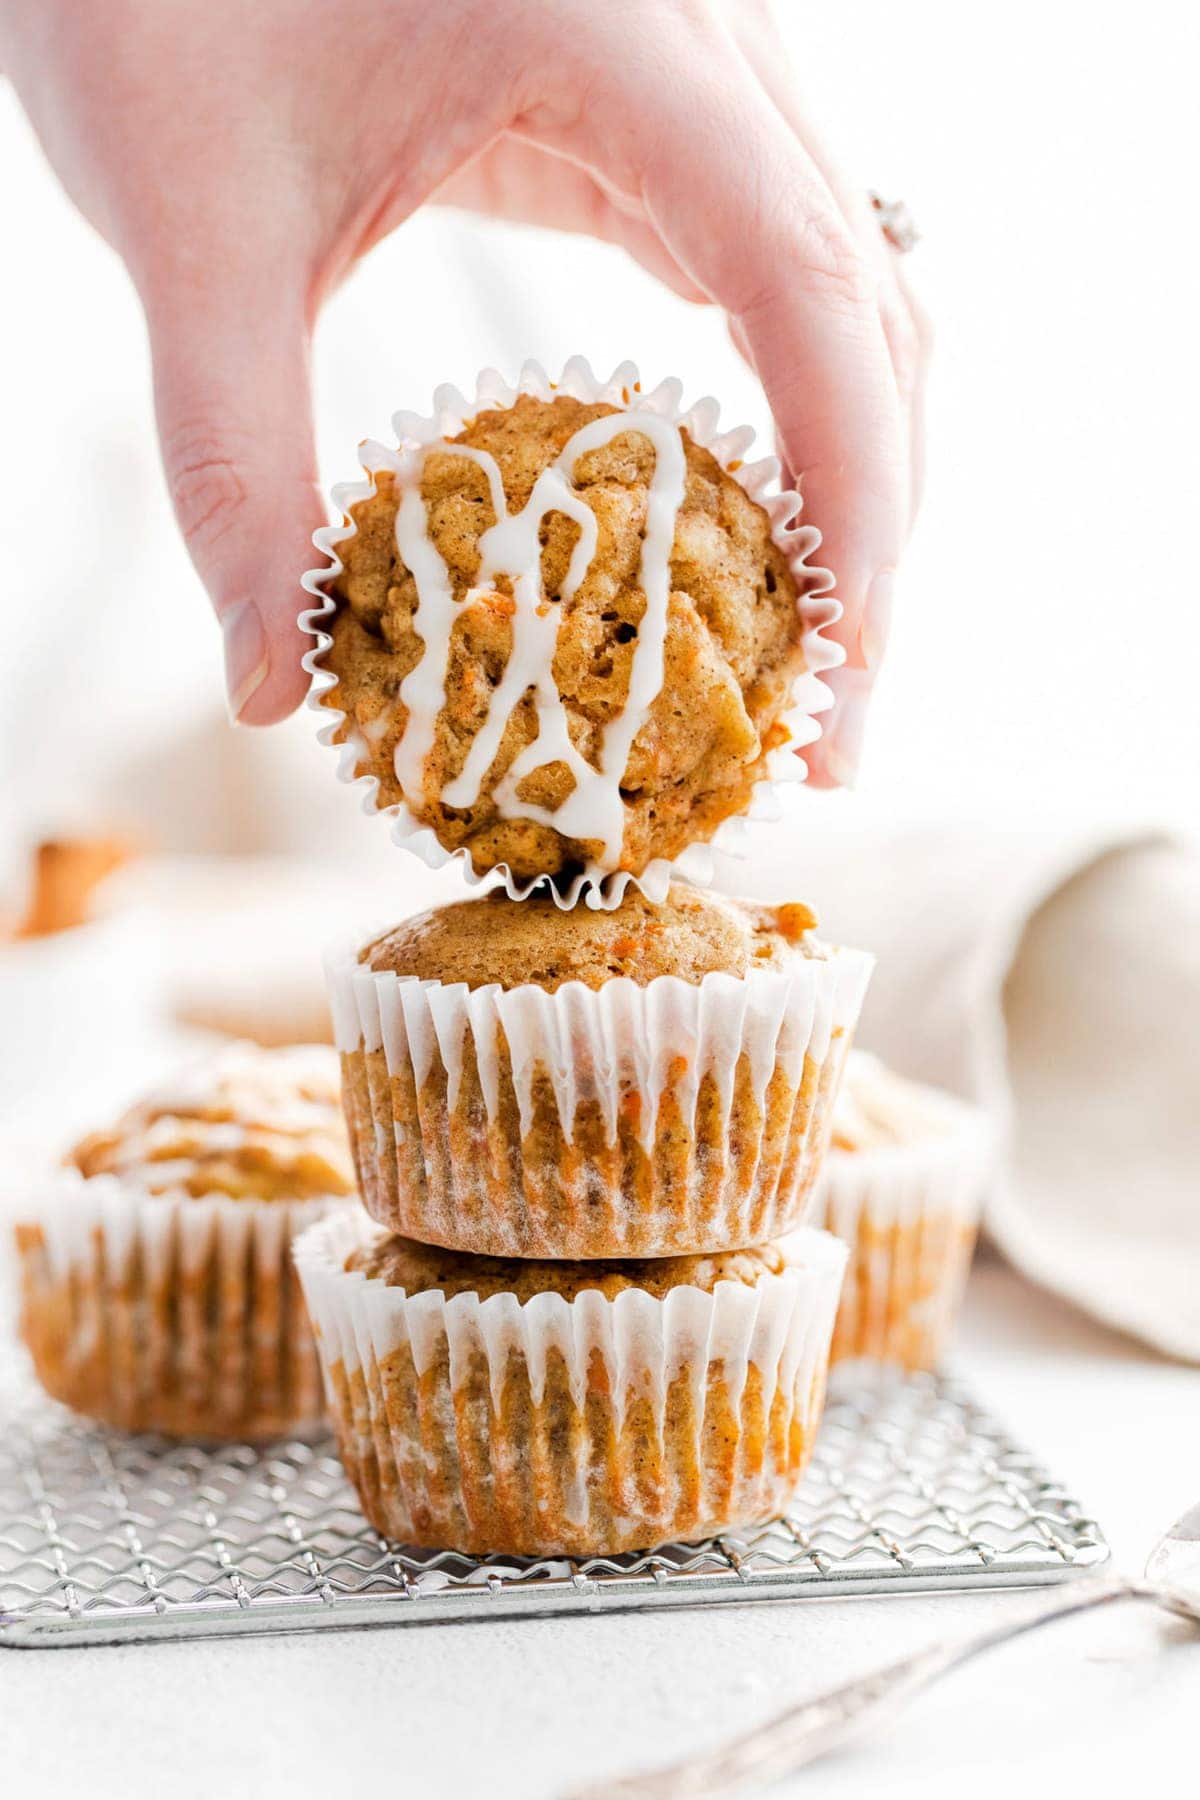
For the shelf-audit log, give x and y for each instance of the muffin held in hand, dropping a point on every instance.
(650, 1081)
(903, 1184)
(565, 639)
(157, 1287)
(579, 1409)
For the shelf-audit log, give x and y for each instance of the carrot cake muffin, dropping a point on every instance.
(157, 1287)
(650, 1081)
(903, 1184)
(543, 1408)
(565, 639)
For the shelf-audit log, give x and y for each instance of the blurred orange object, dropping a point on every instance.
(66, 875)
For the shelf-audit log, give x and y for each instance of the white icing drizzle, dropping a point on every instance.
(511, 547)
(423, 689)
(593, 809)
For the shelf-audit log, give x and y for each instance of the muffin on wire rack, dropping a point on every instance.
(543, 1408)
(567, 632)
(654, 1080)
(157, 1286)
(903, 1184)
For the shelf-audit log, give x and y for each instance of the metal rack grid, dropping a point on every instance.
(109, 1539)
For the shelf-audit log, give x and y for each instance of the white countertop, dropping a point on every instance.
(530, 1708)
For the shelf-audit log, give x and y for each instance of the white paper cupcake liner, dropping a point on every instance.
(585, 1426)
(910, 1214)
(628, 1120)
(707, 863)
(166, 1313)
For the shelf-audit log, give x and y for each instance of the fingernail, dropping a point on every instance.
(842, 739)
(876, 619)
(246, 657)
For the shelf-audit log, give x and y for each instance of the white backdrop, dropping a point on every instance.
(1044, 654)
(1047, 629)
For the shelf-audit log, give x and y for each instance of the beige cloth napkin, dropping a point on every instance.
(1051, 972)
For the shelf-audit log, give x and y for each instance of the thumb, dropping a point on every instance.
(233, 394)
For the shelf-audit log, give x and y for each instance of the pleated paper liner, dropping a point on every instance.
(579, 1427)
(909, 1213)
(628, 1120)
(167, 1313)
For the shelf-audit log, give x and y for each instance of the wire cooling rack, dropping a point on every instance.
(107, 1539)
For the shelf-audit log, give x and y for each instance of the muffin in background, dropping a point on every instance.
(655, 1080)
(903, 1184)
(157, 1285)
(580, 1409)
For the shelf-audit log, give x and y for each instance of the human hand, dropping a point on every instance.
(241, 159)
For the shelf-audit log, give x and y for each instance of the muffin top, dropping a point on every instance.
(581, 576)
(513, 942)
(420, 1268)
(250, 1124)
(877, 1110)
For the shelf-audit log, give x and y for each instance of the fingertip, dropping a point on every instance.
(272, 690)
(819, 777)
(834, 759)
(235, 423)
(875, 624)
(272, 702)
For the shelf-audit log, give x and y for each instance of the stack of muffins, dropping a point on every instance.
(584, 1320)
(561, 639)
(568, 638)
